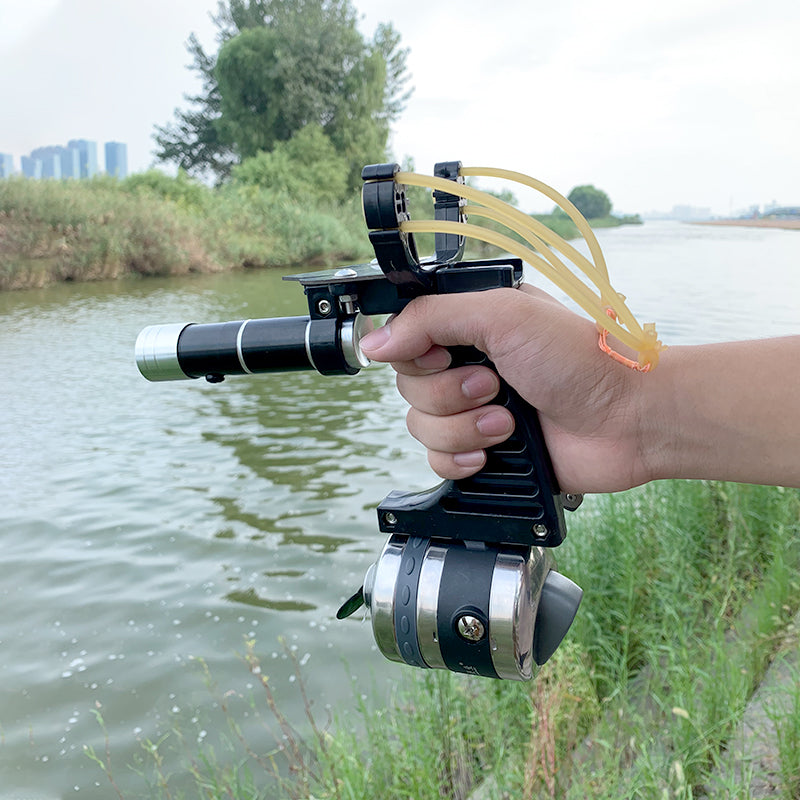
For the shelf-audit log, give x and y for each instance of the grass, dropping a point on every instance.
(153, 224)
(785, 715)
(688, 588)
(103, 228)
(92, 230)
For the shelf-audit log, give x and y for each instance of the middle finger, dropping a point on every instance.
(449, 392)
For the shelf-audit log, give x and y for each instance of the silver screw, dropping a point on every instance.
(324, 307)
(539, 530)
(389, 518)
(470, 628)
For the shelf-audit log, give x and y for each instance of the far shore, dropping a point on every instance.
(788, 224)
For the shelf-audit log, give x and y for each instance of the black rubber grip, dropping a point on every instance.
(518, 478)
(464, 591)
(514, 499)
(405, 603)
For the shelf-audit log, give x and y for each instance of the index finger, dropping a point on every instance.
(445, 320)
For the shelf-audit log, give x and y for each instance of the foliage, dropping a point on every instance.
(290, 207)
(181, 189)
(90, 230)
(259, 228)
(591, 202)
(306, 168)
(283, 65)
(560, 223)
(154, 224)
(613, 221)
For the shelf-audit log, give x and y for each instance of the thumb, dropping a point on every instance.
(446, 320)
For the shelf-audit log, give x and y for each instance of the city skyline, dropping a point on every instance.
(689, 102)
(85, 165)
(77, 159)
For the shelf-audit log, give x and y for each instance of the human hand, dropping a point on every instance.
(587, 403)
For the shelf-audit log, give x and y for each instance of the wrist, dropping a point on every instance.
(723, 412)
(657, 412)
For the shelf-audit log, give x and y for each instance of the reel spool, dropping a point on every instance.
(468, 607)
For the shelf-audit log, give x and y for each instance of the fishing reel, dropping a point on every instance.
(495, 611)
(466, 580)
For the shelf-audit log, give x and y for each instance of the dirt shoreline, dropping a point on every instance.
(786, 224)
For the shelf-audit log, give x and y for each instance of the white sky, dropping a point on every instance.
(680, 102)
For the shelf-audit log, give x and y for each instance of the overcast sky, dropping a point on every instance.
(680, 102)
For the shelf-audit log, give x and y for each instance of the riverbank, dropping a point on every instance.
(675, 631)
(152, 224)
(785, 224)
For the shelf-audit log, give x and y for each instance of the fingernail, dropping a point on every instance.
(479, 385)
(472, 459)
(495, 423)
(376, 339)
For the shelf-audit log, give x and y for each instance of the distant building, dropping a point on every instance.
(77, 160)
(6, 165)
(88, 156)
(117, 159)
(70, 162)
(51, 167)
(784, 212)
(50, 159)
(68, 159)
(31, 167)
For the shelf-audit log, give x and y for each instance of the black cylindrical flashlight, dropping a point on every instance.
(178, 351)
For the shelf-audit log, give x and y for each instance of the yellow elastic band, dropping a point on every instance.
(538, 253)
(566, 281)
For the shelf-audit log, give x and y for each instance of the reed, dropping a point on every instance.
(688, 588)
(152, 224)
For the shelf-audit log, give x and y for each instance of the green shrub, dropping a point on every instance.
(305, 168)
(154, 224)
(181, 189)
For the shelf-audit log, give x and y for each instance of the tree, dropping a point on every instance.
(592, 203)
(193, 141)
(283, 65)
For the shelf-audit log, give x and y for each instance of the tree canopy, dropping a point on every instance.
(592, 203)
(283, 65)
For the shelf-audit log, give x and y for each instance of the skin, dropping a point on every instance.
(721, 412)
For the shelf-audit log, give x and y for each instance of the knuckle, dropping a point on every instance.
(434, 394)
(436, 433)
(443, 465)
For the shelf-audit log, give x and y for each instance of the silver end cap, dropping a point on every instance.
(157, 352)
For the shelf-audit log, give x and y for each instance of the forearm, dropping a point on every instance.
(726, 412)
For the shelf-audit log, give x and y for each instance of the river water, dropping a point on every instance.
(147, 529)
